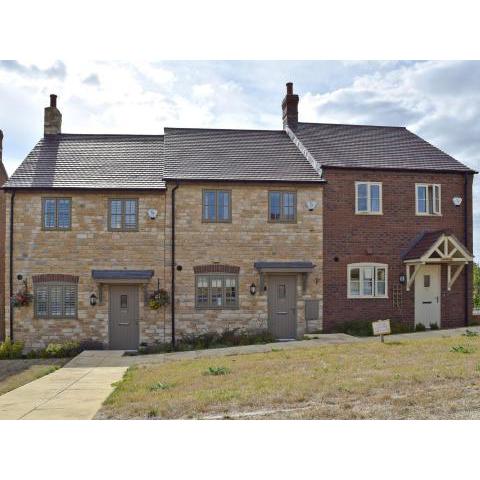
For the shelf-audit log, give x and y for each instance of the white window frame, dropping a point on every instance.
(361, 266)
(369, 203)
(434, 187)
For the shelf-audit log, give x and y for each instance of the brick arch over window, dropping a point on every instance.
(216, 269)
(54, 277)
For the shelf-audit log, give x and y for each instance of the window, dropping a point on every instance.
(216, 206)
(368, 198)
(55, 300)
(428, 199)
(56, 213)
(282, 207)
(216, 291)
(367, 280)
(123, 214)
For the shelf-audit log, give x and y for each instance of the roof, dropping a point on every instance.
(93, 161)
(284, 266)
(218, 154)
(426, 240)
(360, 146)
(122, 274)
(423, 243)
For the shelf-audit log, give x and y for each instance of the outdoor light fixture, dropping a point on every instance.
(93, 299)
(457, 201)
(401, 279)
(253, 289)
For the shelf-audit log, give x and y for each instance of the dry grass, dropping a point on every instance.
(15, 373)
(416, 379)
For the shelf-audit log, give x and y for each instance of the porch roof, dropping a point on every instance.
(124, 276)
(300, 267)
(439, 246)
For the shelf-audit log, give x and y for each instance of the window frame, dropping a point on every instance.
(123, 201)
(361, 266)
(217, 191)
(369, 196)
(434, 187)
(282, 216)
(49, 286)
(215, 276)
(56, 227)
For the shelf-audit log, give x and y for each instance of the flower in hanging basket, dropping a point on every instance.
(158, 299)
(153, 304)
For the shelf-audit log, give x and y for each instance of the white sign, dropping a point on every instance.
(382, 327)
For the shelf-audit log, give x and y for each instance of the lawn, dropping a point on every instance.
(412, 379)
(15, 373)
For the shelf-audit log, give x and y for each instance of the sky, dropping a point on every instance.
(438, 100)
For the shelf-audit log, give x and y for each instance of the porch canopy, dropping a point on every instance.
(122, 276)
(438, 247)
(284, 267)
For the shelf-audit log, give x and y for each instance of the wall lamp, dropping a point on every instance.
(93, 299)
(253, 289)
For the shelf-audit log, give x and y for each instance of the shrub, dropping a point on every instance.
(217, 371)
(420, 327)
(358, 328)
(462, 349)
(11, 350)
(470, 333)
(434, 326)
(159, 386)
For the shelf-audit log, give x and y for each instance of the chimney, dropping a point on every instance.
(53, 118)
(290, 108)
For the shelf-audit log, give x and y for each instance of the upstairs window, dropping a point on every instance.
(216, 206)
(428, 199)
(56, 213)
(368, 198)
(123, 214)
(282, 207)
(367, 280)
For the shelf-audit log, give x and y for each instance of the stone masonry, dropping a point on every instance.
(88, 245)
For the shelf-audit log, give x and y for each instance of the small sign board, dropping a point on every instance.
(381, 327)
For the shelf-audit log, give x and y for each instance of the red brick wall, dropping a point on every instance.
(3, 179)
(348, 236)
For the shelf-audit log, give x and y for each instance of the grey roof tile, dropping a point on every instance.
(358, 146)
(93, 161)
(248, 155)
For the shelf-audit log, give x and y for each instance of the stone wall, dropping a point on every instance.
(88, 245)
(247, 239)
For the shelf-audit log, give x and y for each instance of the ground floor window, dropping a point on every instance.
(367, 280)
(55, 300)
(216, 291)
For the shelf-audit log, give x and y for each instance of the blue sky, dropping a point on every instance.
(438, 100)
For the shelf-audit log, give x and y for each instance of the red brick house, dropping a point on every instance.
(292, 230)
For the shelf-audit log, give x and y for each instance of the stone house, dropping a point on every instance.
(3, 179)
(291, 230)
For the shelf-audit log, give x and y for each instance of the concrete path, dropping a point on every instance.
(75, 392)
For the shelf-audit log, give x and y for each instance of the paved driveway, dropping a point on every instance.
(75, 392)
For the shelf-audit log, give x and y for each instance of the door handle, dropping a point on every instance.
(124, 323)
(427, 303)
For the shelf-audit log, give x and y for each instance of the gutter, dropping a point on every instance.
(12, 203)
(173, 266)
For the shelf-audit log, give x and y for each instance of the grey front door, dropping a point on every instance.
(282, 302)
(123, 317)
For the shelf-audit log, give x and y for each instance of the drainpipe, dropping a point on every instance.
(12, 202)
(465, 229)
(173, 265)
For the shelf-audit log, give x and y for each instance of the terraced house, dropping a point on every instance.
(126, 239)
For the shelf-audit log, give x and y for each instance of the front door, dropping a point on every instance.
(123, 317)
(282, 302)
(427, 295)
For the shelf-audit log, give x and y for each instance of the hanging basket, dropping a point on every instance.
(158, 299)
(22, 298)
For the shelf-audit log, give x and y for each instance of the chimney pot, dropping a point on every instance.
(1, 145)
(53, 100)
(289, 88)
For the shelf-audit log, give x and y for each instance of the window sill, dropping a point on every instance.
(369, 213)
(216, 308)
(364, 297)
(428, 214)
